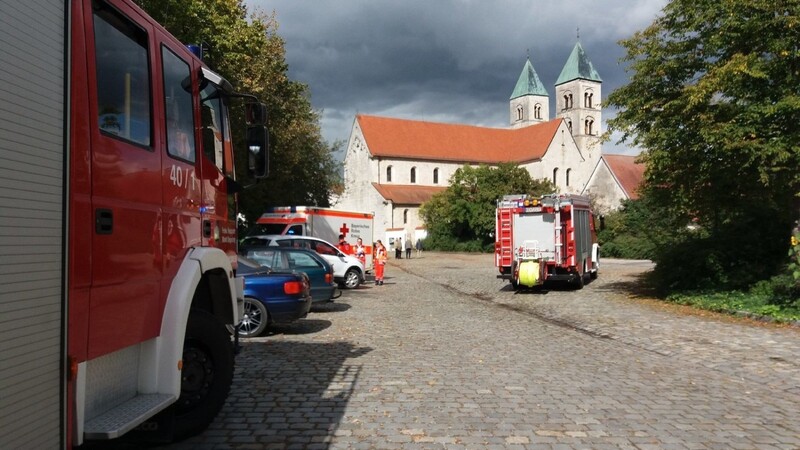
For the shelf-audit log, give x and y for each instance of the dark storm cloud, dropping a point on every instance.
(451, 61)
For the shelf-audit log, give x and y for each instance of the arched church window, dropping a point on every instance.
(519, 112)
(569, 125)
(566, 101)
(555, 176)
(405, 216)
(588, 126)
(566, 180)
(389, 174)
(590, 100)
(413, 175)
(570, 103)
(436, 176)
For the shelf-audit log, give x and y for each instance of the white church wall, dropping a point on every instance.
(424, 172)
(563, 154)
(603, 189)
(406, 217)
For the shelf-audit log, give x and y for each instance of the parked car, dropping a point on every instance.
(287, 259)
(347, 270)
(271, 297)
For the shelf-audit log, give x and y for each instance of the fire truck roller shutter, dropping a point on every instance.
(32, 122)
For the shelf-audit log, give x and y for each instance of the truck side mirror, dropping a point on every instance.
(255, 114)
(258, 151)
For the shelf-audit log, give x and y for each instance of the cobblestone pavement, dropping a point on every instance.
(444, 355)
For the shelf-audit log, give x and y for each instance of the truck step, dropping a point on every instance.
(125, 417)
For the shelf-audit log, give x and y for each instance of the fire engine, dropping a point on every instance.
(548, 238)
(323, 223)
(117, 227)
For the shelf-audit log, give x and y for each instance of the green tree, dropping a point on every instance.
(247, 50)
(464, 213)
(713, 98)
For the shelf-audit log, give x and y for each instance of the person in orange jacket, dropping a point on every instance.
(344, 246)
(380, 262)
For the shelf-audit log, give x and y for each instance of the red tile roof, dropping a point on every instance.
(628, 172)
(406, 194)
(414, 139)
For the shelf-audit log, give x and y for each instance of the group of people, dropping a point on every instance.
(398, 248)
(380, 254)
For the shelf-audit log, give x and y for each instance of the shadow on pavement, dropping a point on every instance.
(295, 393)
(637, 286)
(302, 326)
(330, 307)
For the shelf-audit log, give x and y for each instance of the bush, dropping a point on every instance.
(781, 290)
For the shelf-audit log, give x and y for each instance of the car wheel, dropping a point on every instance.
(206, 375)
(352, 279)
(255, 318)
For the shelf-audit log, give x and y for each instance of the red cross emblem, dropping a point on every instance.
(344, 229)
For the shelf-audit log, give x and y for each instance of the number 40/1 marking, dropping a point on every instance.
(181, 177)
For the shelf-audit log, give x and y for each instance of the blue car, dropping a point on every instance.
(271, 297)
(287, 259)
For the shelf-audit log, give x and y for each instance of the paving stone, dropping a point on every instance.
(446, 356)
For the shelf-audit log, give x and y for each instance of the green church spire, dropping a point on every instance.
(578, 66)
(528, 83)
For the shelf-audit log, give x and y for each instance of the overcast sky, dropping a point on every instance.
(453, 61)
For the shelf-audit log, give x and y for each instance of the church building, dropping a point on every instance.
(392, 166)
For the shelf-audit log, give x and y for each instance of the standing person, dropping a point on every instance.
(419, 247)
(408, 248)
(398, 249)
(380, 262)
(343, 245)
(361, 252)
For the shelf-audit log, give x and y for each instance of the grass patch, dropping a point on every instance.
(736, 302)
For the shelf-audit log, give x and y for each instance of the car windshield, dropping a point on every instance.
(261, 255)
(253, 242)
(324, 248)
(247, 266)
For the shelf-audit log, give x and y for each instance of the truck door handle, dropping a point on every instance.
(103, 221)
(207, 228)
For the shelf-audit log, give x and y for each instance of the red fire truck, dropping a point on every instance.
(548, 238)
(117, 226)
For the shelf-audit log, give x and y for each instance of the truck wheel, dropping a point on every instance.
(206, 376)
(255, 319)
(580, 277)
(352, 279)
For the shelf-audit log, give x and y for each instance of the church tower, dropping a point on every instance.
(529, 103)
(578, 101)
